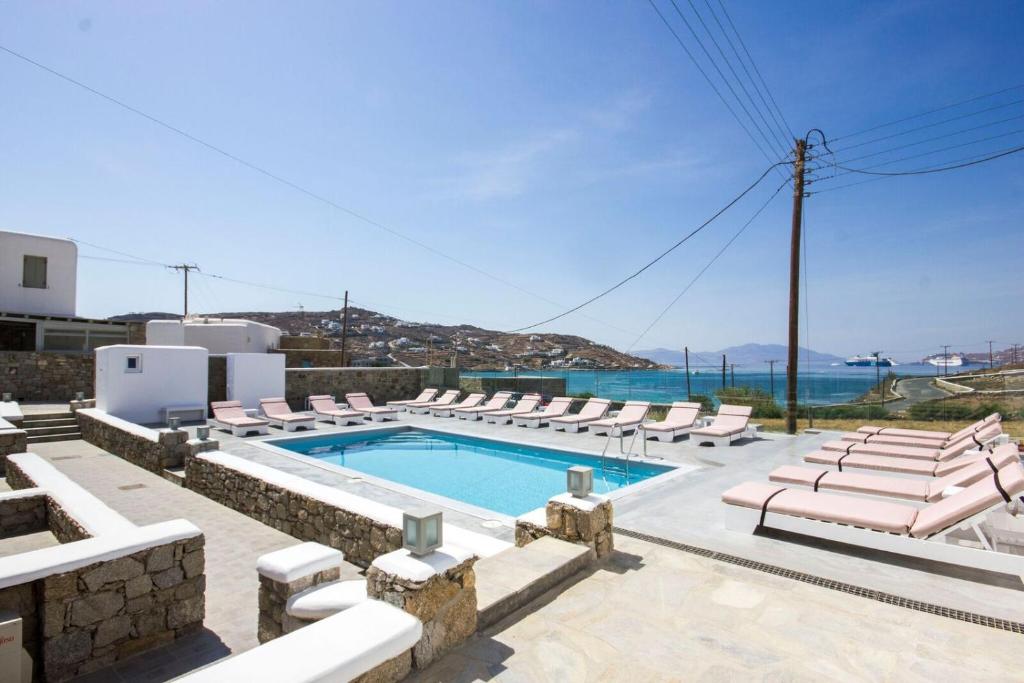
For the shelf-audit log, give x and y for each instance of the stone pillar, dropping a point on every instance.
(77, 405)
(283, 573)
(586, 521)
(11, 441)
(439, 589)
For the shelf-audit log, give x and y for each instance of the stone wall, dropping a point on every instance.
(91, 617)
(169, 450)
(546, 386)
(274, 620)
(291, 341)
(446, 604)
(585, 521)
(312, 358)
(62, 525)
(137, 333)
(23, 515)
(46, 376)
(11, 441)
(381, 384)
(307, 519)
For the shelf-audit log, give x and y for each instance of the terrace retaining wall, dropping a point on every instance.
(47, 376)
(11, 441)
(381, 384)
(153, 450)
(546, 386)
(25, 515)
(360, 538)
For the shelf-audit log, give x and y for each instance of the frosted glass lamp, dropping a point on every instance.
(79, 395)
(203, 433)
(8, 396)
(174, 422)
(422, 531)
(579, 480)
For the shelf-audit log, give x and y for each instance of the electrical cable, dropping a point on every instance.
(660, 256)
(933, 170)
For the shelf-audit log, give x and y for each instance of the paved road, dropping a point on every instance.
(916, 390)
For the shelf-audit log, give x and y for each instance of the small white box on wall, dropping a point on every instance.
(252, 376)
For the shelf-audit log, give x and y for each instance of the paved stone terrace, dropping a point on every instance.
(233, 543)
(656, 614)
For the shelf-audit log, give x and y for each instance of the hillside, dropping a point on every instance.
(746, 354)
(375, 338)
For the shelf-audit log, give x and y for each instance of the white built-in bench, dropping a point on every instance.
(83, 507)
(479, 544)
(338, 648)
(37, 564)
(10, 411)
(187, 413)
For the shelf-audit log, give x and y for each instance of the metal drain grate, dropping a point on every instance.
(64, 457)
(131, 487)
(878, 596)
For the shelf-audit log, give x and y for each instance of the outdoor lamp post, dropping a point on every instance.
(579, 480)
(202, 433)
(8, 397)
(173, 423)
(79, 395)
(422, 531)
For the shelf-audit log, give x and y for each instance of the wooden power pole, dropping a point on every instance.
(990, 364)
(344, 330)
(185, 268)
(686, 359)
(723, 371)
(794, 285)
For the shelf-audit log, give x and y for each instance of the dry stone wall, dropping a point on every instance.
(381, 384)
(170, 449)
(46, 376)
(24, 515)
(11, 441)
(546, 386)
(360, 538)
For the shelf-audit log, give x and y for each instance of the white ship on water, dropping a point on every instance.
(870, 361)
(953, 360)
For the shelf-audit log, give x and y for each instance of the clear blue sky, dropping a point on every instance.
(558, 145)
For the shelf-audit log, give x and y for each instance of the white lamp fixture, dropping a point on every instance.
(173, 422)
(579, 480)
(422, 531)
(79, 395)
(8, 397)
(202, 433)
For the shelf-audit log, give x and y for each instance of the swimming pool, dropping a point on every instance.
(507, 478)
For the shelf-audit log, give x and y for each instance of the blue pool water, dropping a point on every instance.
(504, 477)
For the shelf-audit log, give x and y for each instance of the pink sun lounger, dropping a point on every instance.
(496, 402)
(278, 413)
(594, 409)
(361, 402)
(629, 418)
(448, 410)
(729, 424)
(558, 407)
(925, 434)
(681, 418)
(324, 407)
(524, 406)
(230, 416)
(959, 447)
(425, 396)
(919, 532)
(423, 407)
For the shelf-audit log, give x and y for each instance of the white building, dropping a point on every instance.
(218, 335)
(38, 286)
(140, 383)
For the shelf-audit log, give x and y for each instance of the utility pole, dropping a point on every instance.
(185, 268)
(344, 330)
(771, 376)
(794, 285)
(990, 364)
(878, 377)
(723, 371)
(945, 359)
(732, 375)
(686, 358)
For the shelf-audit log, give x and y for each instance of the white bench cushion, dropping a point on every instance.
(338, 648)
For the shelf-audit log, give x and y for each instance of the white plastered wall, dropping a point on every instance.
(252, 376)
(168, 376)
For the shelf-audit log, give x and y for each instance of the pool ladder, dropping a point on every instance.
(622, 449)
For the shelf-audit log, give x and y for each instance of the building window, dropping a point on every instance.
(64, 340)
(34, 272)
(133, 364)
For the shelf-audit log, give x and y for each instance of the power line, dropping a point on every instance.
(732, 46)
(728, 63)
(659, 257)
(986, 156)
(756, 70)
(721, 75)
(284, 181)
(930, 111)
(928, 125)
(708, 79)
(706, 267)
(933, 170)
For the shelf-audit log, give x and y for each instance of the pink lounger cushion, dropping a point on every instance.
(879, 515)
(527, 404)
(921, 433)
(425, 396)
(496, 402)
(593, 409)
(681, 415)
(729, 421)
(633, 412)
(972, 500)
(232, 413)
(325, 405)
(278, 409)
(888, 463)
(362, 403)
(559, 406)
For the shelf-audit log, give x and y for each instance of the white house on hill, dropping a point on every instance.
(217, 335)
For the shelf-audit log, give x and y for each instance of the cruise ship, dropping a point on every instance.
(870, 361)
(953, 360)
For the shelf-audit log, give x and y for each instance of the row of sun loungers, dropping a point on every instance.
(730, 423)
(960, 478)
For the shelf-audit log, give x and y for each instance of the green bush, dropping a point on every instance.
(583, 394)
(706, 404)
(940, 409)
(760, 400)
(847, 412)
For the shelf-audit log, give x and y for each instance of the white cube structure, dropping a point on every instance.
(140, 383)
(218, 335)
(252, 376)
